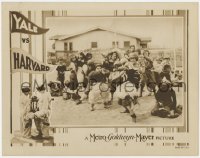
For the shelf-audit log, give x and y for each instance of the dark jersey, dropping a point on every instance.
(167, 98)
(61, 70)
(165, 74)
(108, 65)
(95, 77)
(133, 77)
(148, 63)
(80, 63)
(73, 83)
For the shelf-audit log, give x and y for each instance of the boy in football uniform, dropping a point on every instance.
(26, 115)
(43, 111)
(166, 101)
(98, 87)
(61, 68)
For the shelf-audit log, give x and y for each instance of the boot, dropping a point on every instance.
(125, 111)
(92, 107)
(133, 117)
(78, 102)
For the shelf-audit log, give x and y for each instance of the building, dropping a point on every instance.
(97, 38)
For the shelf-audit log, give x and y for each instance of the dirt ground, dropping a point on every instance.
(67, 113)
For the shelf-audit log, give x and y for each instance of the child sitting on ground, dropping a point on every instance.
(166, 101)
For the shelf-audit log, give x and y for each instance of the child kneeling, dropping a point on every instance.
(166, 101)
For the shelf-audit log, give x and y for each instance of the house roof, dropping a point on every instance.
(56, 37)
(64, 37)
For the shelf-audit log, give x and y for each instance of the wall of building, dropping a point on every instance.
(59, 45)
(104, 40)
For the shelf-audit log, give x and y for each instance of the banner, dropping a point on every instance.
(23, 62)
(19, 23)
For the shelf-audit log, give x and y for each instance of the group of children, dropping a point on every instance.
(121, 76)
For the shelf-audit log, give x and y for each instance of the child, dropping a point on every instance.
(99, 87)
(166, 101)
(117, 77)
(166, 61)
(42, 115)
(25, 113)
(166, 72)
(109, 61)
(61, 68)
(157, 65)
(55, 88)
(71, 87)
(71, 79)
(127, 97)
(131, 68)
(90, 67)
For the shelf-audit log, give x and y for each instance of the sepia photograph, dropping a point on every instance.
(112, 78)
(116, 70)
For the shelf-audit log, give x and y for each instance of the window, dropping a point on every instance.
(143, 45)
(94, 45)
(65, 46)
(115, 44)
(126, 44)
(70, 46)
(53, 46)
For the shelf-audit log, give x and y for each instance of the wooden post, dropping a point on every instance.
(10, 23)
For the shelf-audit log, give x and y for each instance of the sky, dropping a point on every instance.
(165, 32)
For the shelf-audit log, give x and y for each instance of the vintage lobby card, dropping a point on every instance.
(100, 78)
